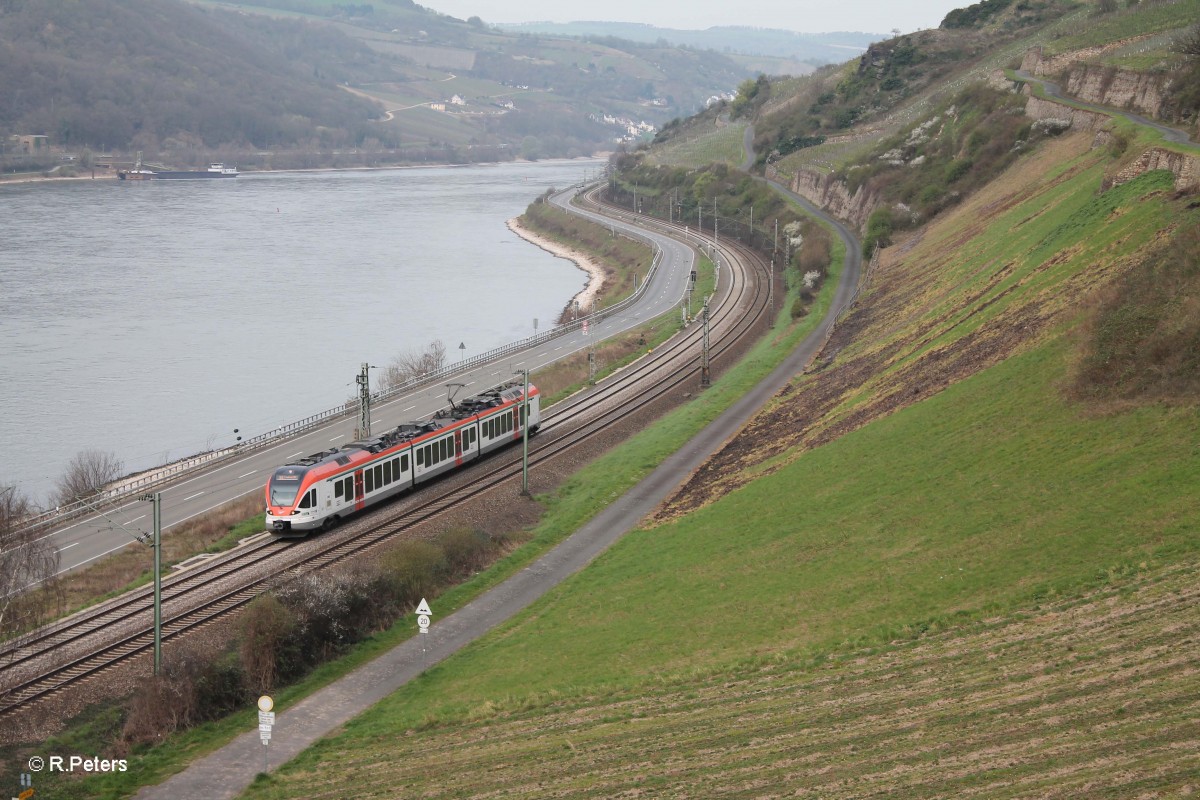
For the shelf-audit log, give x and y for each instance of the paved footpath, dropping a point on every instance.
(227, 772)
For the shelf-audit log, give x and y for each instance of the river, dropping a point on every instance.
(151, 319)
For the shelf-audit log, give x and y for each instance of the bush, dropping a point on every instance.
(266, 643)
(879, 231)
(195, 685)
(467, 550)
(415, 570)
(957, 169)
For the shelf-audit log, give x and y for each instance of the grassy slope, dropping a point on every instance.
(988, 497)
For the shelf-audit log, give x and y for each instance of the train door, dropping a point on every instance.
(458, 449)
(358, 490)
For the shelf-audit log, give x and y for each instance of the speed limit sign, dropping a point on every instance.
(423, 615)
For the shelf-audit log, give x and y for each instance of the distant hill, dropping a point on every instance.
(319, 83)
(147, 74)
(814, 49)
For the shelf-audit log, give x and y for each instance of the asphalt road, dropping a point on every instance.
(87, 539)
(1053, 90)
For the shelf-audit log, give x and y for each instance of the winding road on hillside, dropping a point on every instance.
(226, 772)
(1053, 91)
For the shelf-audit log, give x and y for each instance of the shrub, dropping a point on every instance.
(467, 550)
(957, 169)
(266, 642)
(415, 570)
(194, 685)
(879, 231)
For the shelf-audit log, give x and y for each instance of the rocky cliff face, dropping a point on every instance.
(1079, 119)
(1185, 168)
(1142, 92)
(835, 197)
(1120, 88)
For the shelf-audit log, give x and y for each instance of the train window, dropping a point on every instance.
(369, 480)
(306, 501)
(337, 489)
(379, 476)
(420, 456)
(404, 463)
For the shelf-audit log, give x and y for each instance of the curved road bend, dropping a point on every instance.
(1053, 90)
(86, 539)
(226, 772)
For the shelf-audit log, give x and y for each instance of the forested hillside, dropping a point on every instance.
(305, 83)
(144, 74)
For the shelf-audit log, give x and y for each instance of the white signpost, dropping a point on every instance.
(266, 720)
(423, 615)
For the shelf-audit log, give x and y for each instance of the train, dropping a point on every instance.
(320, 490)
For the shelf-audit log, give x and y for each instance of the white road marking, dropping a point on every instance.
(68, 547)
(135, 519)
(294, 455)
(410, 408)
(334, 439)
(247, 475)
(189, 497)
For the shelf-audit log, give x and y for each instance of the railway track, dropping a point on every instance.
(95, 641)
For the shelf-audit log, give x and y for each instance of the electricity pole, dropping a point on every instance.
(705, 378)
(525, 434)
(156, 499)
(364, 403)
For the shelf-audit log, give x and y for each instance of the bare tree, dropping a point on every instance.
(88, 473)
(413, 364)
(27, 559)
(1188, 43)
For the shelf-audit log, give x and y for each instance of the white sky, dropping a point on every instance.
(806, 16)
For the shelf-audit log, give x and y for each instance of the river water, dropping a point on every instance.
(151, 319)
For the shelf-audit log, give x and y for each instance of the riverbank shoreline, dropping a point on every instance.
(104, 175)
(587, 297)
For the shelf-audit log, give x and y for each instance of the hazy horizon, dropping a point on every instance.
(870, 16)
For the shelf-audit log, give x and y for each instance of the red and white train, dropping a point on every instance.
(317, 491)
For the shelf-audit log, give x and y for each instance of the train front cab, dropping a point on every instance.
(292, 502)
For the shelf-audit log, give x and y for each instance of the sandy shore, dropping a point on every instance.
(594, 271)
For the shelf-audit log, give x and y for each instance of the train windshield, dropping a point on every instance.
(285, 485)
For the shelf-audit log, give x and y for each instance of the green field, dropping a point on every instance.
(893, 609)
